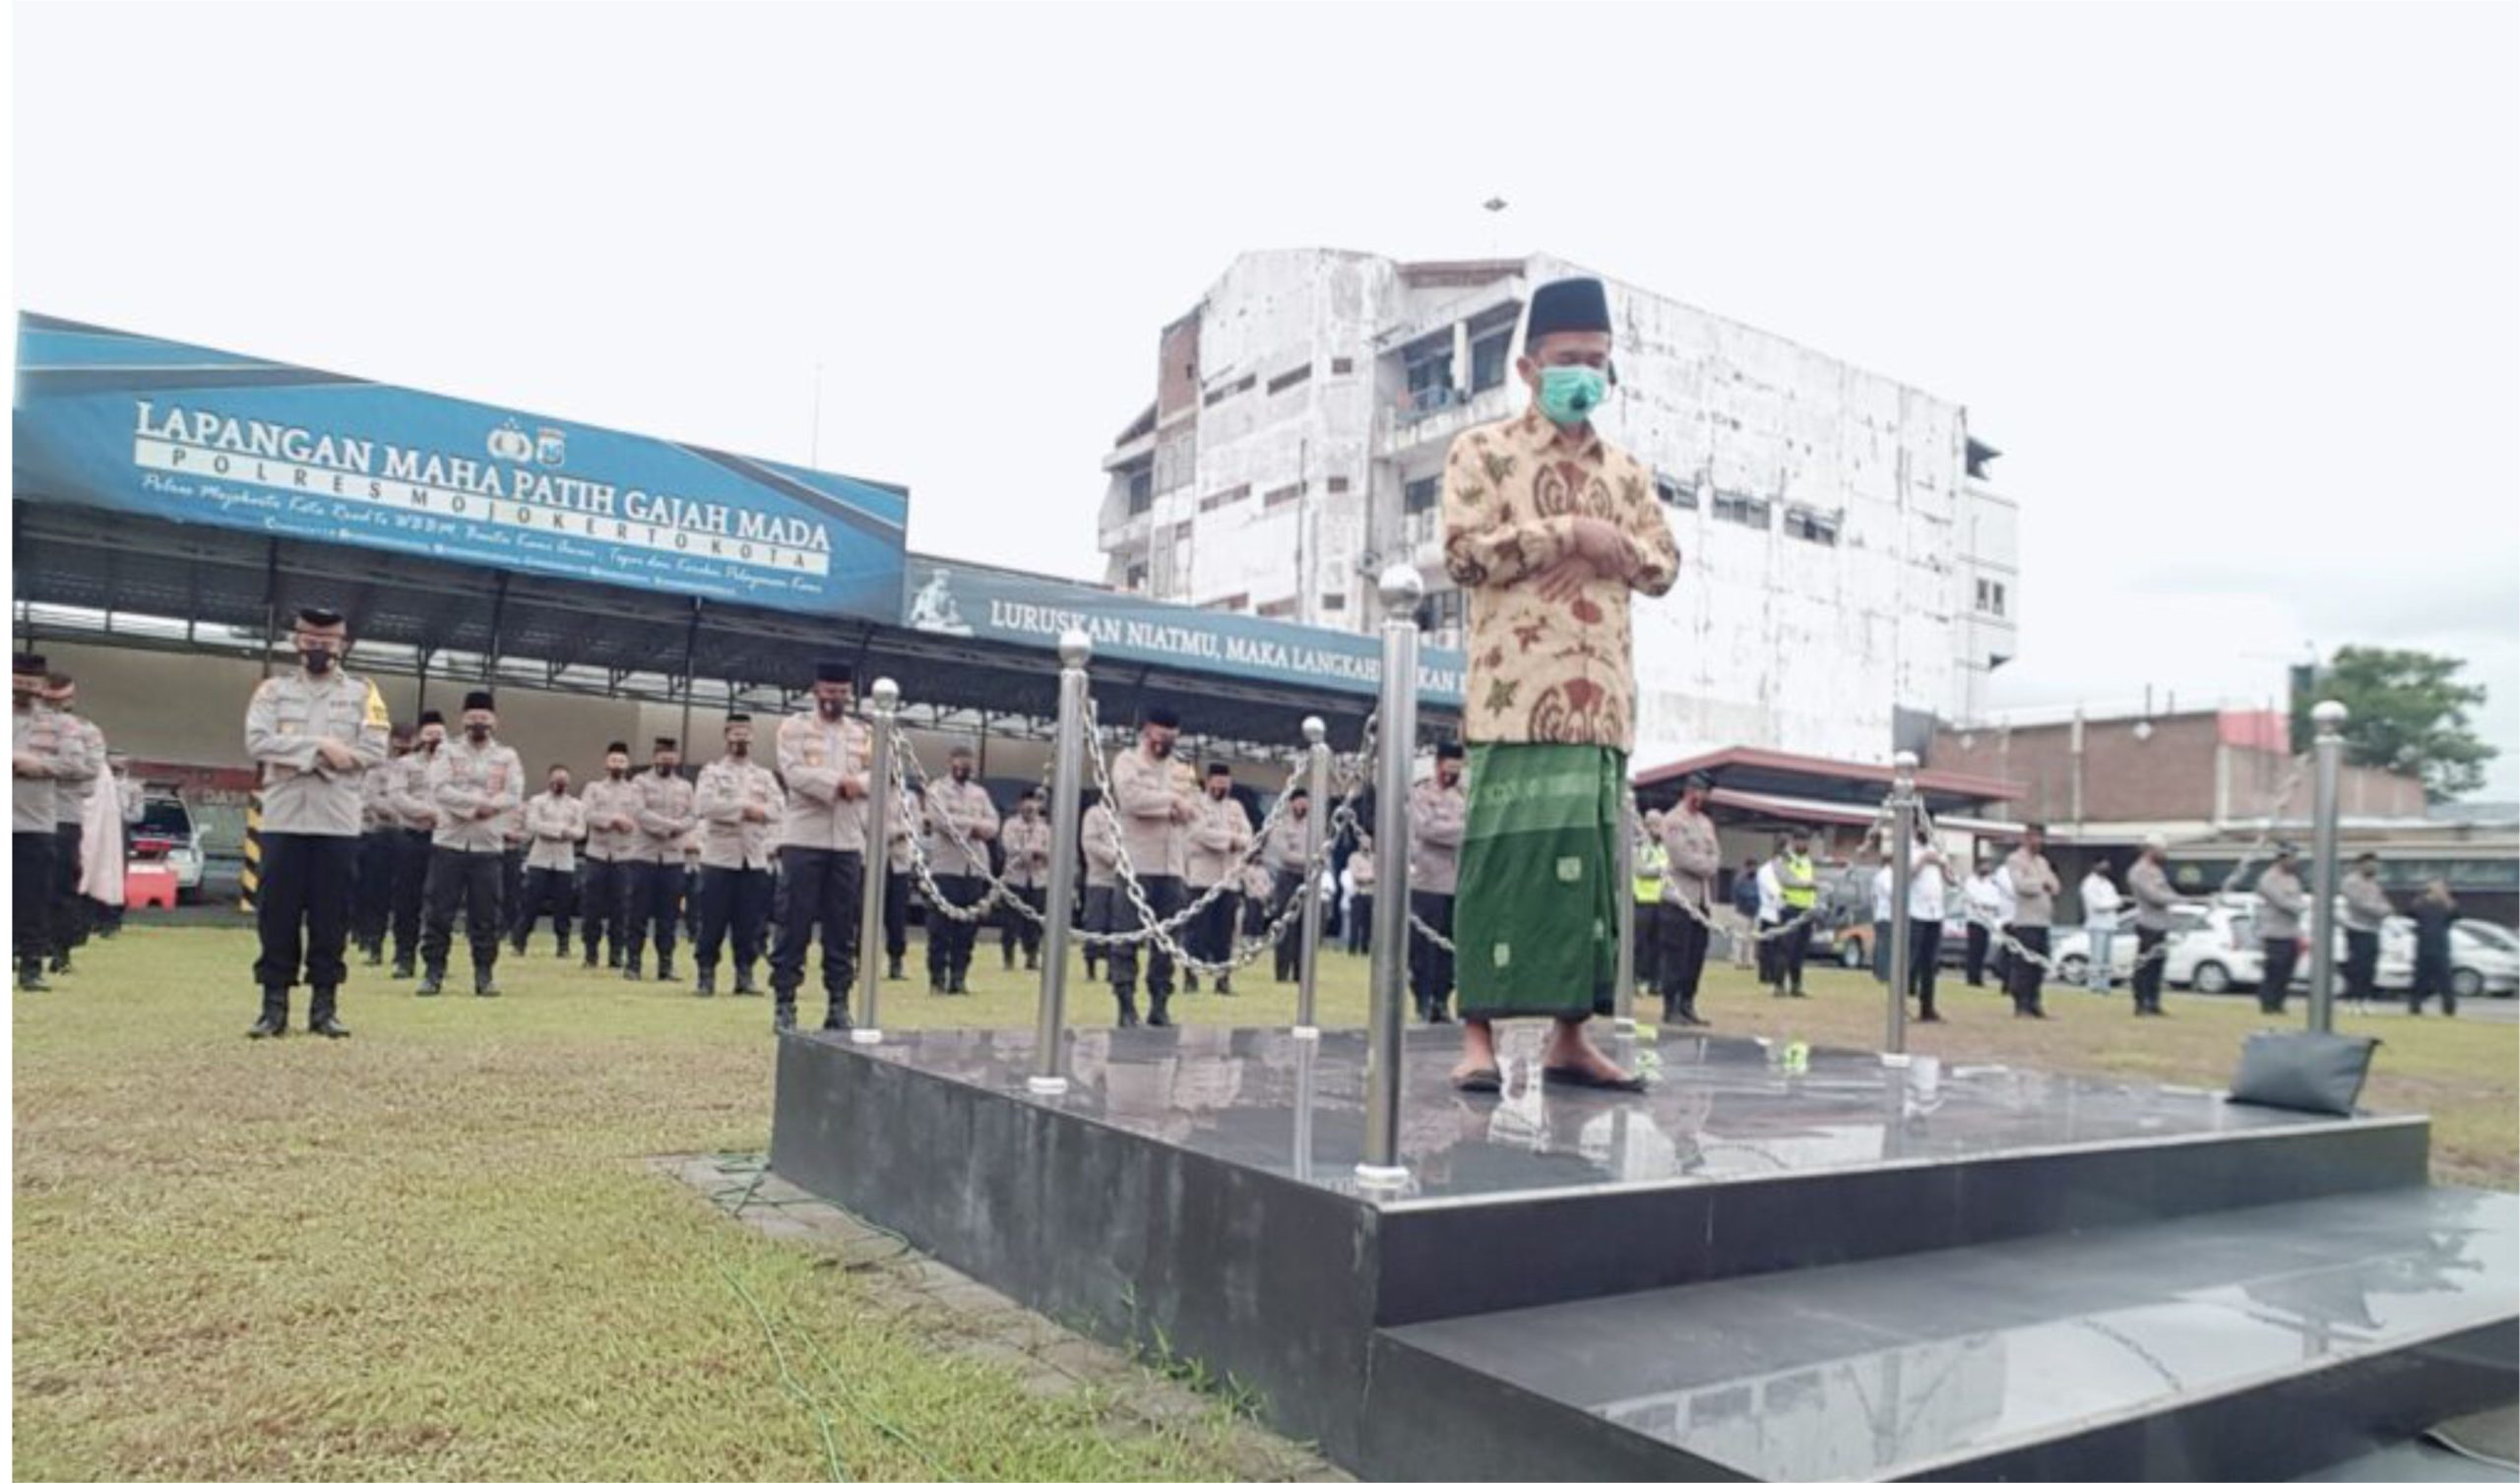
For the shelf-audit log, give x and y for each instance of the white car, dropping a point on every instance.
(2073, 948)
(2485, 959)
(2215, 947)
(167, 830)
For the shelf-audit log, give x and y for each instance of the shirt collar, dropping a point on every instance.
(1540, 436)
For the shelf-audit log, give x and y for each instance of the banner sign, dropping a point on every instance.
(122, 422)
(948, 597)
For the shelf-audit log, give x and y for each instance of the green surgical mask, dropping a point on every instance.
(1568, 395)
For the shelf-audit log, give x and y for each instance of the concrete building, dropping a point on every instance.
(1848, 570)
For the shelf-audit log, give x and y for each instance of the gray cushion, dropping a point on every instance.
(2306, 1071)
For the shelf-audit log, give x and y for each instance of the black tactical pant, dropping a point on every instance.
(1975, 967)
(1211, 934)
(949, 941)
(823, 888)
(469, 880)
(546, 891)
(1430, 967)
(412, 852)
(897, 890)
(302, 909)
(2283, 955)
(1165, 895)
(1924, 958)
(2149, 964)
(70, 913)
(737, 901)
(373, 906)
(1645, 919)
(1361, 922)
(2361, 963)
(602, 899)
(1016, 930)
(511, 885)
(1680, 959)
(2022, 975)
(30, 868)
(1289, 957)
(652, 908)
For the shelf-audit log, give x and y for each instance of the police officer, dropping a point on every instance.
(380, 825)
(72, 914)
(1437, 808)
(1286, 868)
(1691, 858)
(2029, 880)
(409, 790)
(313, 733)
(662, 808)
(1152, 794)
(476, 782)
(1104, 911)
(1027, 842)
(610, 808)
(963, 821)
(827, 757)
(1648, 865)
(1797, 879)
(45, 751)
(909, 811)
(515, 843)
(555, 822)
(741, 804)
(1220, 836)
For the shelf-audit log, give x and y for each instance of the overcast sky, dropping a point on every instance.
(2234, 289)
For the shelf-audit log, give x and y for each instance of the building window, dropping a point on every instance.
(1820, 528)
(1136, 580)
(1224, 497)
(1334, 603)
(1742, 509)
(1440, 616)
(1419, 496)
(1674, 493)
(1430, 385)
(1487, 361)
(1991, 597)
(1341, 365)
(1286, 494)
(1339, 485)
(1230, 389)
(1141, 491)
(1233, 605)
(1296, 377)
(1284, 607)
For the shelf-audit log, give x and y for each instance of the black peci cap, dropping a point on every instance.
(319, 617)
(1577, 304)
(479, 699)
(667, 744)
(1220, 770)
(1450, 751)
(432, 719)
(737, 719)
(1699, 782)
(1162, 716)
(835, 671)
(622, 748)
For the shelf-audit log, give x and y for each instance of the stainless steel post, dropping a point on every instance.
(1903, 868)
(1624, 984)
(1402, 591)
(1316, 828)
(884, 699)
(2329, 747)
(1067, 787)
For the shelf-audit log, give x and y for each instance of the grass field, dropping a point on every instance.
(434, 1250)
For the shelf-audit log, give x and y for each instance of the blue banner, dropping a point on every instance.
(123, 422)
(949, 597)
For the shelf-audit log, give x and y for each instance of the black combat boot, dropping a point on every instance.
(743, 981)
(61, 963)
(30, 977)
(706, 987)
(1689, 1016)
(664, 969)
(432, 984)
(960, 983)
(1225, 985)
(274, 1021)
(482, 988)
(836, 1014)
(1128, 999)
(1189, 983)
(376, 954)
(1156, 1001)
(893, 968)
(563, 954)
(320, 1019)
(783, 1016)
(404, 968)
(630, 968)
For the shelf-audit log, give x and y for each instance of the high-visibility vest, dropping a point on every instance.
(1647, 878)
(1798, 880)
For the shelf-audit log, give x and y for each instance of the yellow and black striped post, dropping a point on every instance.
(249, 880)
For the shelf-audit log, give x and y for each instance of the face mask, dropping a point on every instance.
(664, 770)
(1569, 394)
(962, 774)
(617, 771)
(739, 749)
(319, 660)
(1159, 746)
(559, 785)
(833, 706)
(477, 733)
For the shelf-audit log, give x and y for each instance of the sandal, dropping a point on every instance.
(1486, 1079)
(1584, 1076)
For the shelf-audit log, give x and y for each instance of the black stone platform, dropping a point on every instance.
(1196, 1186)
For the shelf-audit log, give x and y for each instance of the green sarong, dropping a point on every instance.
(1534, 918)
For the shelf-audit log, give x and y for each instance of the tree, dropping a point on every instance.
(2408, 713)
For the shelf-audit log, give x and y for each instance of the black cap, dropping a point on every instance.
(1295, 793)
(319, 617)
(621, 747)
(1699, 782)
(1162, 716)
(479, 699)
(667, 744)
(836, 671)
(25, 664)
(1567, 304)
(1220, 770)
(432, 719)
(737, 719)
(1448, 752)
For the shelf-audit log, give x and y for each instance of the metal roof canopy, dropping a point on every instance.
(1817, 779)
(468, 621)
